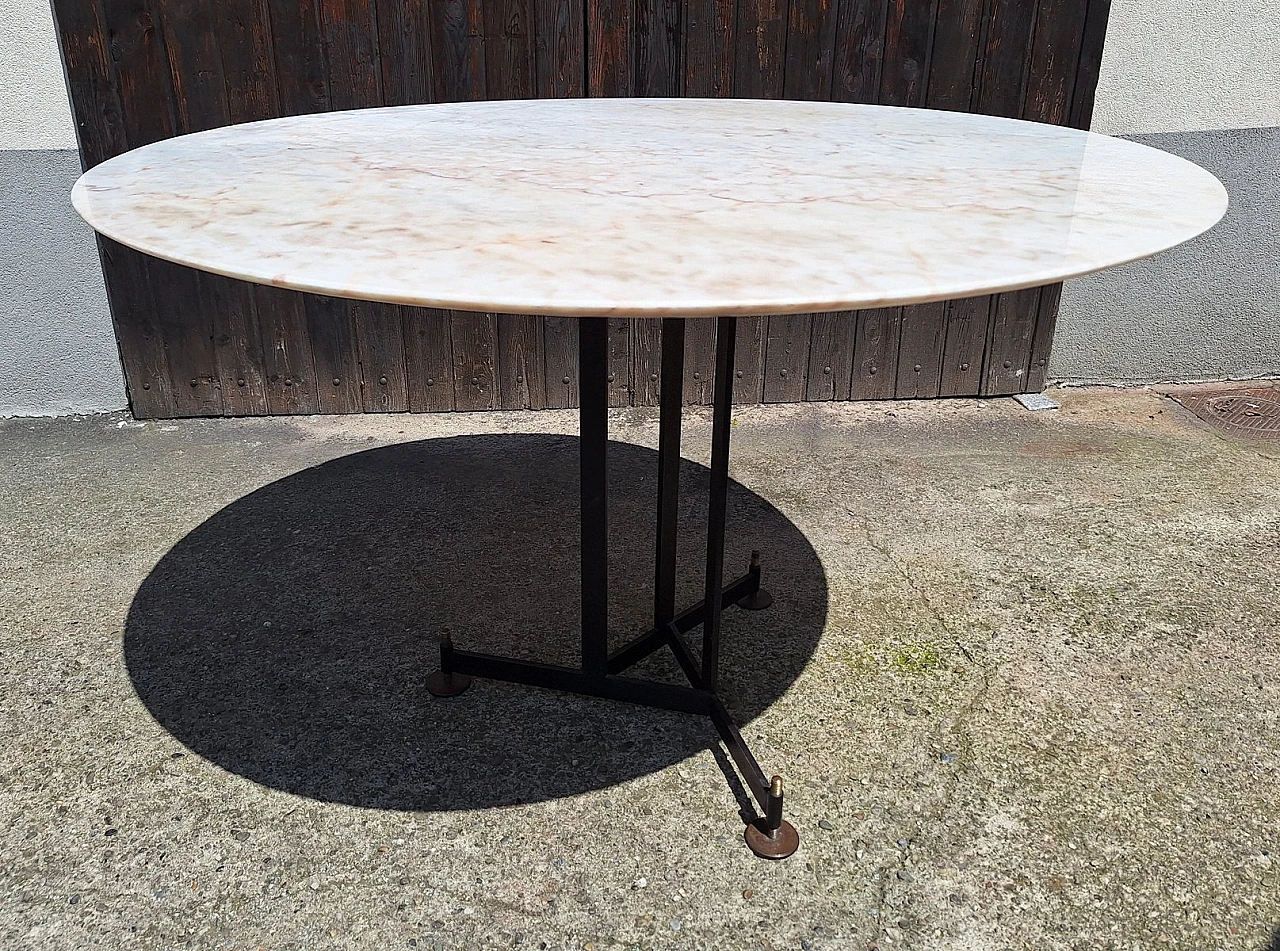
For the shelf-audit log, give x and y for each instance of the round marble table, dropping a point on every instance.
(649, 208)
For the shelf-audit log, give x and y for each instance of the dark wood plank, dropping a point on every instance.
(953, 65)
(288, 370)
(379, 336)
(908, 45)
(1055, 54)
(610, 30)
(142, 71)
(859, 50)
(831, 356)
(510, 62)
(1006, 56)
(521, 369)
(760, 54)
(1013, 325)
(967, 321)
(474, 359)
(183, 318)
(646, 361)
(1090, 63)
(657, 69)
(786, 357)
(248, 75)
(619, 361)
(560, 351)
(142, 352)
(710, 33)
(560, 49)
(237, 345)
(923, 335)
(210, 54)
(748, 360)
(331, 327)
(875, 352)
(351, 38)
(699, 361)
(248, 61)
(459, 39)
(1042, 342)
(405, 53)
(810, 49)
(297, 42)
(195, 66)
(91, 82)
(428, 352)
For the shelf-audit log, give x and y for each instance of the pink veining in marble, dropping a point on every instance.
(649, 207)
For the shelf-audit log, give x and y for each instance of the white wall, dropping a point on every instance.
(1183, 65)
(34, 113)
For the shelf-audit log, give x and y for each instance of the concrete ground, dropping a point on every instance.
(1021, 678)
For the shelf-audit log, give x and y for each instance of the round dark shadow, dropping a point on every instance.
(289, 637)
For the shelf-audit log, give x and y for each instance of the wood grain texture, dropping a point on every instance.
(922, 336)
(748, 360)
(1006, 57)
(859, 50)
(1012, 330)
(459, 42)
(953, 66)
(1042, 340)
(560, 356)
(831, 346)
(521, 367)
(875, 351)
(760, 49)
(699, 362)
(966, 341)
(560, 49)
(610, 34)
(142, 70)
(908, 48)
(710, 34)
(475, 375)
(1090, 63)
(1055, 54)
(428, 351)
(811, 29)
(289, 375)
(786, 357)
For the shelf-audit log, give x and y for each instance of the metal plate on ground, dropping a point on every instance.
(1035, 401)
(1252, 411)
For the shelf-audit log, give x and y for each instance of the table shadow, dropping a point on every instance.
(288, 638)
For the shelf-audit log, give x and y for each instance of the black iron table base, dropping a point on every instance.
(601, 674)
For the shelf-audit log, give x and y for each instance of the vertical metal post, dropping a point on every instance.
(722, 418)
(671, 398)
(593, 428)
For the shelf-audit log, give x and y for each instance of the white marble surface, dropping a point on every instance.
(649, 207)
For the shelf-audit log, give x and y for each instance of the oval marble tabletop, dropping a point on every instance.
(649, 207)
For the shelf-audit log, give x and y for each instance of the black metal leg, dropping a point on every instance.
(770, 835)
(722, 418)
(593, 426)
(671, 389)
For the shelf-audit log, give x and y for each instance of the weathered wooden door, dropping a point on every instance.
(198, 345)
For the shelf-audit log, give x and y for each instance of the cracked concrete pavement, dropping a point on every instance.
(1020, 676)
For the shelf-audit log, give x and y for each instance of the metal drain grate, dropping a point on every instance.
(1251, 412)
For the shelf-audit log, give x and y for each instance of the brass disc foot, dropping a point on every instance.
(783, 842)
(757, 600)
(440, 684)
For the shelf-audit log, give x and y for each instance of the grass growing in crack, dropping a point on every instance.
(916, 658)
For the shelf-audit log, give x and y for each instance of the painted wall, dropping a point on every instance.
(1206, 71)
(57, 349)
